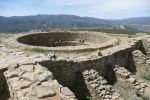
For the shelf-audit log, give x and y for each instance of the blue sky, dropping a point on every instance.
(108, 9)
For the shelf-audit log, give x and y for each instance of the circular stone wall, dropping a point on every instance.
(61, 39)
(66, 41)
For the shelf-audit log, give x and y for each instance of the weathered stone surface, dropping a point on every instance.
(28, 68)
(139, 57)
(121, 72)
(29, 77)
(42, 77)
(11, 74)
(66, 91)
(56, 97)
(44, 91)
(98, 86)
(38, 69)
(137, 84)
(47, 83)
(131, 80)
(13, 66)
(24, 84)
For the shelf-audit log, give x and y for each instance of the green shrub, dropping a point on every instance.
(145, 98)
(146, 75)
(129, 36)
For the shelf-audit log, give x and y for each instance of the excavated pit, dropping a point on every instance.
(62, 39)
(66, 41)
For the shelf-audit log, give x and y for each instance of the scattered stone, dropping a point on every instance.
(139, 57)
(98, 86)
(131, 80)
(121, 72)
(52, 56)
(99, 52)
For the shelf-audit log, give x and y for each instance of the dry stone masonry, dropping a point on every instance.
(137, 84)
(28, 80)
(98, 86)
(50, 77)
(31, 81)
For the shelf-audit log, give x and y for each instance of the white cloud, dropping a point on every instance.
(123, 5)
(105, 7)
(93, 8)
(105, 3)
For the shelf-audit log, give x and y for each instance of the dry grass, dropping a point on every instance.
(6, 36)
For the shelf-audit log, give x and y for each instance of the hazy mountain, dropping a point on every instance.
(141, 23)
(39, 22)
(46, 22)
(136, 20)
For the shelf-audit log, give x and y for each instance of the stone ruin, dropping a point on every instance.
(65, 41)
(40, 77)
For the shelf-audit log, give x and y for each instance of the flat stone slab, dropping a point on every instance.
(44, 91)
(28, 68)
(29, 77)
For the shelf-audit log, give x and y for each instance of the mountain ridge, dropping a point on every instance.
(46, 22)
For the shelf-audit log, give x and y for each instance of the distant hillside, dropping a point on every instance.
(141, 23)
(46, 22)
(113, 30)
(17, 24)
(136, 20)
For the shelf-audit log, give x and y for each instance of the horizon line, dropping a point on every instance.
(73, 15)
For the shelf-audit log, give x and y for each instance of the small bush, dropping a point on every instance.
(146, 75)
(130, 36)
(39, 50)
(145, 98)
